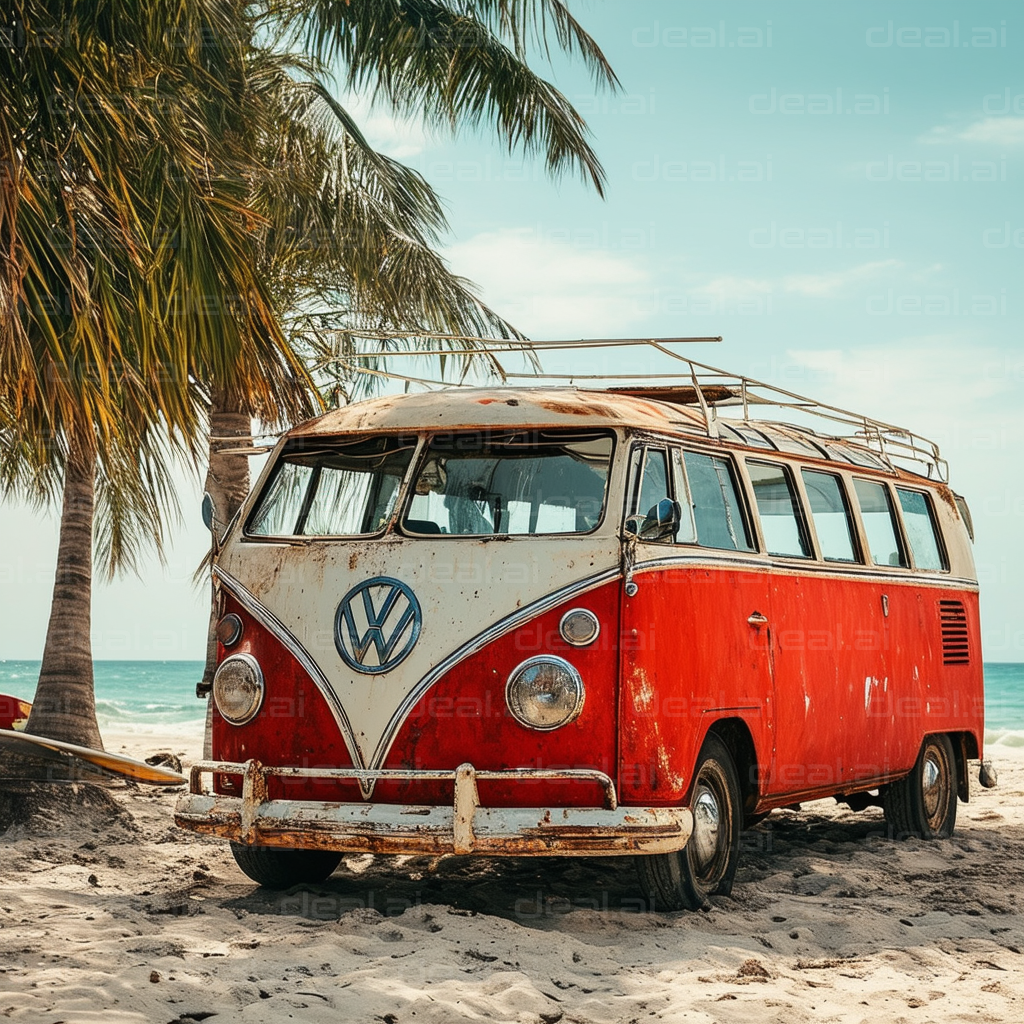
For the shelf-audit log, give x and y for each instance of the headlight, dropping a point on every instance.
(544, 692)
(238, 688)
(579, 627)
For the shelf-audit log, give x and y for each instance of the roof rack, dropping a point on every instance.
(695, 384)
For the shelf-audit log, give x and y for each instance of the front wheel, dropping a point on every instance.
(707, 865)
(275, 868)
(923, 803)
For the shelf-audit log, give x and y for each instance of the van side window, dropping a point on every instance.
(654, 483)
(716, 506)
(879, 520)
(833, 520)
(687, 532)
(779, 508)
(922, 530)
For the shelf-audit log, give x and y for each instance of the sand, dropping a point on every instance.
(829, 921)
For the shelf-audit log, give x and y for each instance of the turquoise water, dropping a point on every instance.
(162, 693)
(132, 693)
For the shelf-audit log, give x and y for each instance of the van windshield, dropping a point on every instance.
(342, 488)
(513, 484)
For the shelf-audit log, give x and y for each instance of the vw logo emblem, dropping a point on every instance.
(377, 624)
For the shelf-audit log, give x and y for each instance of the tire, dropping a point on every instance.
(280, 869)
(707, 865)
(922, 804)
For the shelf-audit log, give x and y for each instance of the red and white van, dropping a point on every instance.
(554, 621)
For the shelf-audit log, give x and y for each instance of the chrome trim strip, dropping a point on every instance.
(477, 643)
(271, 622)
(860, 572)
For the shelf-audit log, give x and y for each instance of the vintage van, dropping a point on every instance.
(558, 621)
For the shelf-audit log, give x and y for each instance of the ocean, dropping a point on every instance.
(136, 696)
(131, 696)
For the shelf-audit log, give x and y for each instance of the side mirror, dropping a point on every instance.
(209, 511)
(661, 521)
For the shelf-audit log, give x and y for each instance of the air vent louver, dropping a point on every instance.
(953, 620)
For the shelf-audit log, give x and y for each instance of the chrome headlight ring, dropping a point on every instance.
(544, 693)
(579, 627)
(238, 688)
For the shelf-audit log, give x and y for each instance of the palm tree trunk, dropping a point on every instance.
(227, 482)
(65, 702)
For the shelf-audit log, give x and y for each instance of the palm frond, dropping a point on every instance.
(463, 64)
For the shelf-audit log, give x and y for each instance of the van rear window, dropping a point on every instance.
(344, 488)
(922, 531)
(516, 484)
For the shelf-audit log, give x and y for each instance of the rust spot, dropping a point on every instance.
(947, 496)
(353, 560)
(571, 409)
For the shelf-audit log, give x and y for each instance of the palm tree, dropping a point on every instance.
(121, 205)
(455, 63)
(169, 156)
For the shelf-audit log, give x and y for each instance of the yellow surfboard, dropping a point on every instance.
(39, 746)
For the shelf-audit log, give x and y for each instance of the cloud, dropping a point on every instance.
(726, 287)
(731, 288)
(991, 131)
(833, 282)
(552, 289)
(937, 384)
(398, 137)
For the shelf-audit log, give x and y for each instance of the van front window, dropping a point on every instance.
(341, 488)
(513, 484)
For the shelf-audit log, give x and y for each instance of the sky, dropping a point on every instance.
(835, 189)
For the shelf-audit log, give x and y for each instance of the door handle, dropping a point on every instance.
(757, 619)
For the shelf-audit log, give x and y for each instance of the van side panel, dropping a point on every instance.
(689, 658)
(934, 679)
(861, 678)
(831, 646)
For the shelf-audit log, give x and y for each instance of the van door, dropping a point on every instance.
(693, 645)
(885, 735)
(815, 694)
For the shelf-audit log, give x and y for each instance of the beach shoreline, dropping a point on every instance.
(828, 920)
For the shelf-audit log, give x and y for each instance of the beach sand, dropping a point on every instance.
(828, 920)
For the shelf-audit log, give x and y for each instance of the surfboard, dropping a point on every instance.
(57, 750)
(13, 712)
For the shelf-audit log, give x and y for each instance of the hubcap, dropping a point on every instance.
(931, 784)
(706, 819)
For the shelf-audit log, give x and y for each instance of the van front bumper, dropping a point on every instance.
(461, 827)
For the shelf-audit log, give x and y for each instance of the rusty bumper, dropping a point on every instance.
(462, 827)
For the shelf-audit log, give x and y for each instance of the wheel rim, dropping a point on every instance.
(935, 784)
(706, 827)
(708, 848)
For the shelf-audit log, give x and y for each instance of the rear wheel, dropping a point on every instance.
(279, 869)
(707, 865)
(923, 803)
